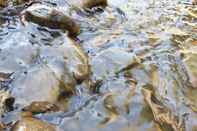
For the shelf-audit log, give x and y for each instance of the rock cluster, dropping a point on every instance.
(43, 77)
(78, 65)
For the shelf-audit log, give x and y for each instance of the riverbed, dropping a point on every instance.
(132, 66)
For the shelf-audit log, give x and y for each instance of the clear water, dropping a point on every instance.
(157, 93)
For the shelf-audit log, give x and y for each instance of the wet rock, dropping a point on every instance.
(36, 84)
(18, 57)
(67, 58)
(32, 124)
(175, 31)
(118, 108)
(3, 3)
(26, 114)
(21, 1)
(112, 61)
(6, 101)
(75, 60)
(88, 3)
(60, 69)
(41, 107)
(2, 127)
(52, 18)
(190, 91)
(194, 2)
(191, 67)
(162, 114)
(93, 3)
(4, 76)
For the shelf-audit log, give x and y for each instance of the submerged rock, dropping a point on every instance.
(59, 69)
(41, 107)
(112, 61)
(16, 58)
(194, 2)
(37, 84)
(21, 1)
(4, 76)
(162, 114)
(52, 18)
(93, 3)
(88, 3)
(32, 124)
(2, 127)
(67, 58)
(41, 85)
(191, 67)
(6, 3)
(6, 101)
(3, 3)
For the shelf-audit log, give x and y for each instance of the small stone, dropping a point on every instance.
(41, 107)
(26, 114)
(32, 124)
(88, 3)
(93, 3)
(6, 101)
(21, 1)
(52, 18)
(2, 126)
(4, 76)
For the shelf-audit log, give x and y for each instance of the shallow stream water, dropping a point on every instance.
(142, 57)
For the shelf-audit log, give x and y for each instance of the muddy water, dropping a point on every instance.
(142, 65)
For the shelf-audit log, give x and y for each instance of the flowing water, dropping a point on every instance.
(142, 58)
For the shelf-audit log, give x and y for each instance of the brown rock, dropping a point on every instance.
(190, 65)
(21, 1)
(3, 3)
(41, 107)
(26, 114)
(2, 126)
(161, 113)
(52, 18)
(93, 3)
(194, 2)
(88, 3)
(32, 124)
(6, 101)
(4, 76)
